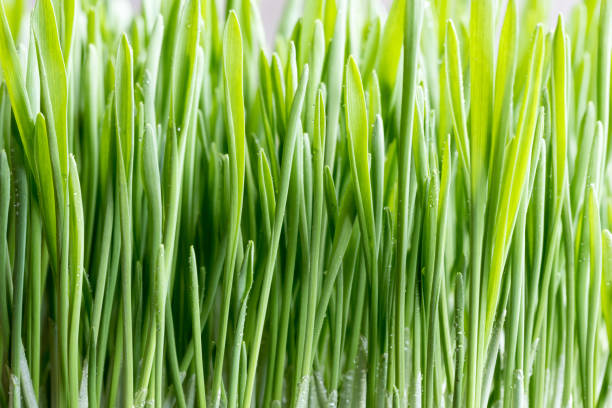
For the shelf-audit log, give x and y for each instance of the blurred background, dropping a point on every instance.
(271, 11)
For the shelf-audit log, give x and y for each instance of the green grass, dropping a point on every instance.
(397, 209)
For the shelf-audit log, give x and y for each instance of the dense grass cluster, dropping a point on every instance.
(391, 209)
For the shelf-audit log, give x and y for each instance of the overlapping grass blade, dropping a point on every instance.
(370, 190)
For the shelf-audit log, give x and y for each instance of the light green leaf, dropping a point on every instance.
(234, 111)
(585, 141)
(378, 176)
(68, 20)
(184, 63)
(504, 79)
(604, 50)
(560, 110)
(195, 321)
(312, 12)
(371, 47)
(391, 46)
(152, 185)
(374, 101)
(515, 174)
(26, 380)
(331, 199)
(482, 52)
(316, 67)
(151, 70)
(232, 77)
(266, 192)
(335, 65)
(245, 270)
(15, 82)
(357, 132)
(124, 103)
(32, 74)
(45, 183)
(76, 253)
(420, 146)
(595, 244)
(606, 288)
(54, 88)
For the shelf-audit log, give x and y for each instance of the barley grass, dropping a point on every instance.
(385, 209)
